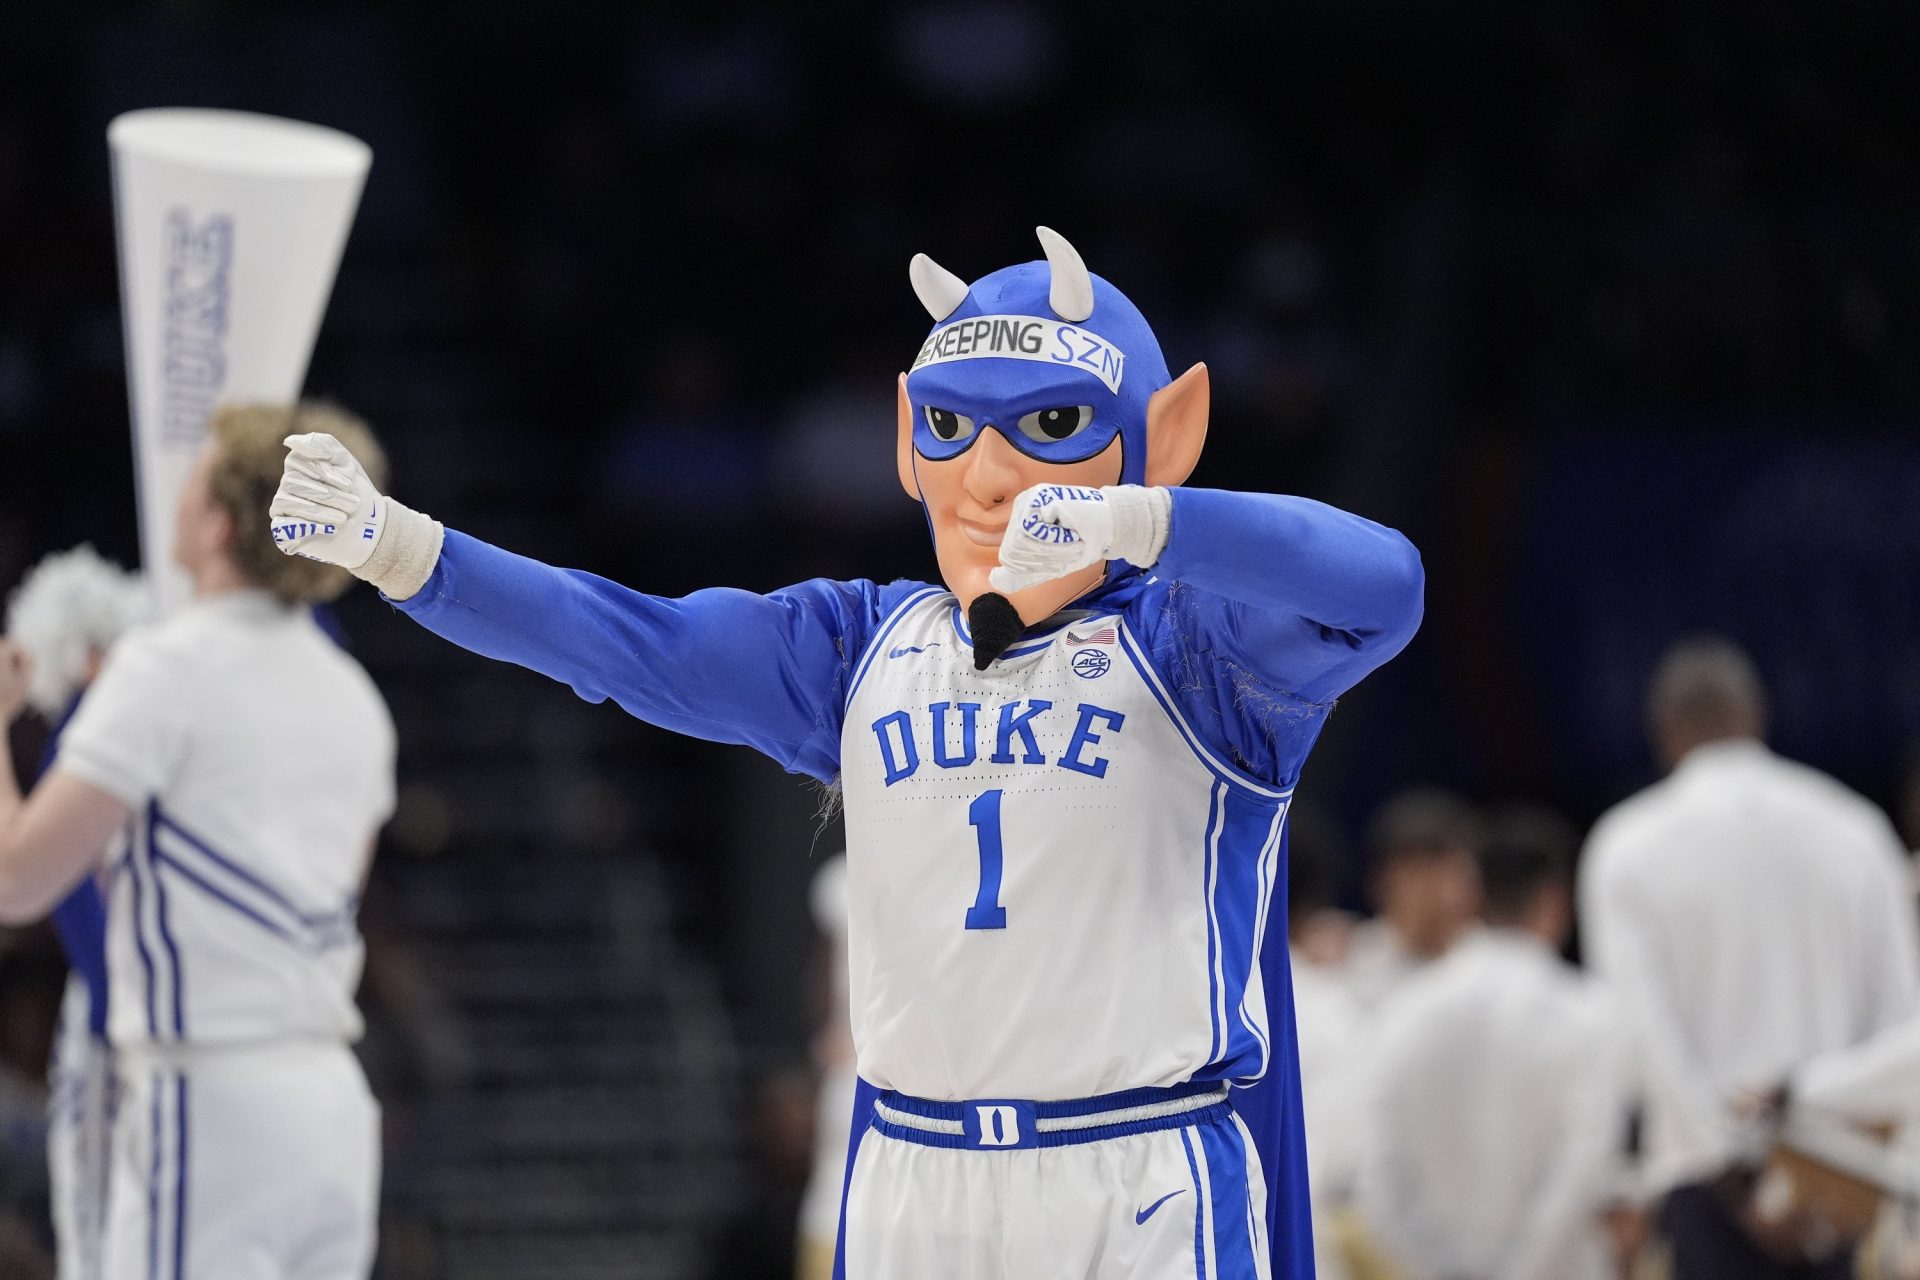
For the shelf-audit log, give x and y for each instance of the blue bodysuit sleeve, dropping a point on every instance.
(1302, 596)
(1263, 609)
(765, 671)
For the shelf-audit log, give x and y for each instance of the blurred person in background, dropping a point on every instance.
(65, 615)
(1423, 880)
(1494, 1111)
(1750, 914)
(246, 1140)
(833, 1053)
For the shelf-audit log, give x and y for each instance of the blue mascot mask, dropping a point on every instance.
(1054, 358)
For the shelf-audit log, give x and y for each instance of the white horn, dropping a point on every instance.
(1070, 293)
(940, 291)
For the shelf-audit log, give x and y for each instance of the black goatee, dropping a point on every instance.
(995, 624)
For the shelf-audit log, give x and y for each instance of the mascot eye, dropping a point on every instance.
(947, 425)
(1044, 425)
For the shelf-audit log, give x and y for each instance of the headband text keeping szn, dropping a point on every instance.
(1025, 338)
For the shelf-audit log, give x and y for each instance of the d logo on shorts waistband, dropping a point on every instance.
(999, 1126)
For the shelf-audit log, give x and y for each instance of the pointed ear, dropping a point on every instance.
(903, 450)
(1177, 426)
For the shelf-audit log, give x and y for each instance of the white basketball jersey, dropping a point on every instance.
(1055, 889)
(257, 759)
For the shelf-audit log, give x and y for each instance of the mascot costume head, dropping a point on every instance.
(1041, 373)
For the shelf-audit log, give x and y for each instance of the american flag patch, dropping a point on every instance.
(1104, 635)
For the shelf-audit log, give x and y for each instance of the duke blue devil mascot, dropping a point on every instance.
(1066, 772)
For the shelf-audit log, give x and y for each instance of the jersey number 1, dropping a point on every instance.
(983, 815)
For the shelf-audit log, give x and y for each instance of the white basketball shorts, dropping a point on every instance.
(244, 1164)
(79, 1130)
(1149, 1184)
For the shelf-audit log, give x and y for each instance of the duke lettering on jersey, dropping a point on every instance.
(952, 733)
(990, 815)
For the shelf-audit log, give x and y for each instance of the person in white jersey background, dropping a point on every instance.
(66, 614)
(1494, 1119)
(1065, 775)
(1752, 915)
(1423, 879)
(251, 762)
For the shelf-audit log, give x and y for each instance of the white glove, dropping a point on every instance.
(326, 507)
(1058, 529)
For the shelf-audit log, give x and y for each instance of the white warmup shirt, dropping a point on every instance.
(1328, 1023)
(1751, 913)
(1495, 1112)
(257, 758)
(1378, 964)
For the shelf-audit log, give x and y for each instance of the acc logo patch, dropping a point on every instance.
(1091, 664)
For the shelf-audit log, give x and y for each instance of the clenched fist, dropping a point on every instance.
(1058, 529)
(326, 507)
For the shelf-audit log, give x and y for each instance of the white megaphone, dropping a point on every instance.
(230, 227)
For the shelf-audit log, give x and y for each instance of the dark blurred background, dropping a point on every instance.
(1615, 310)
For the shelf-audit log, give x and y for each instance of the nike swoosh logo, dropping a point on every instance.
(906, 649)
(1148, 1212)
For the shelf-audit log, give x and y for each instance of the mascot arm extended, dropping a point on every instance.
(762, 671)
(1306, 596)
(765, 671)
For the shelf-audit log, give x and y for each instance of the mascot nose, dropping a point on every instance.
(993, 474)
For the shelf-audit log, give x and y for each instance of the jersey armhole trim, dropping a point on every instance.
(880, 635)
(1215, 765)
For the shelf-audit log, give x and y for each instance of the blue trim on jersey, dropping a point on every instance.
(1199, 1211)
(1047, 627)
(157, 1226)
(1270, 1109)
(318, 931)
(180, 1181)
(227, 864)
(858, 1123)
(1226, 1158)
(1247, 838)
(879, 640)
(1267, 871)
(1219, 768)
(1019, 652)
(153, 1184)
(213, 891)
(1208, 882)
(166, 930)
(140, 937)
